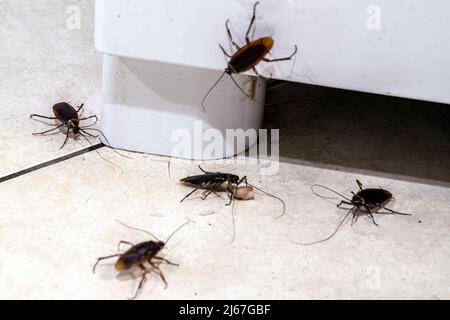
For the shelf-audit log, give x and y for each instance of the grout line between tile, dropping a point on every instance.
(50, 163)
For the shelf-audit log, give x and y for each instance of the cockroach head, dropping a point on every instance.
(74, 125)
(358, 200)
(229, 70)
(233, 178)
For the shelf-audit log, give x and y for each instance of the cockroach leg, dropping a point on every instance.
(67, 138)
(396, 212)
(190, 194)
(124, 242)
(255, 71)
(232, 198)
(91, 117)
(360, 185)
(224, 52)
(344, 202)
(230, 195)
(230, 190)
(282, 59)
(141, 283)
(370, 214)
(355, 216)
(80, 107)
(252, 22)
(207, 193)
(166, 261)
(104, 258)
(160, 273)
(43, 117)
(231, 38)
(244, 179)
(48, 131)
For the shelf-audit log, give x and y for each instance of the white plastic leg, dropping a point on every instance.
(154, 107)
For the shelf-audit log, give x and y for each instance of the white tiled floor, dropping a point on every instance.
(55, 222)
(43, 62)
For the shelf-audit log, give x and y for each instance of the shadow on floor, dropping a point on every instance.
(361, 132)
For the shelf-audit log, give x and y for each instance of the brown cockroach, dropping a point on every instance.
(69, 118)
(370, 199)
(139, 254)
(213, 182)
(247, 57)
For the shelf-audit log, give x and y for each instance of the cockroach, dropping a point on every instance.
(247, 57)
(69, 118)
(139, 254)
(213, 182)
(372, 200)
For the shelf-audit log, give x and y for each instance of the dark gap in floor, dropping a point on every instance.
(356, 130)
(50, 163)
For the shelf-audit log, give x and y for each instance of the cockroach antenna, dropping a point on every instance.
(273, 196)
(151, 234)
(210, 90)
(330, 236)
(217, 82)
(107, 144)
(139, 230)
(329, 189)
(178, 229)
(98, 153)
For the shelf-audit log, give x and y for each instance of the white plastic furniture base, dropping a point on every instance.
(397, 48)
(155, 108)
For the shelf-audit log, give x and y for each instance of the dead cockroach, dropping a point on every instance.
(243, 193)
(141, 253)
(213, 182)
(247, 57)
(368, 201)
(69, 117)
